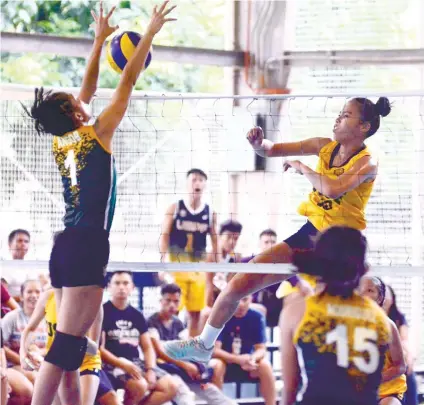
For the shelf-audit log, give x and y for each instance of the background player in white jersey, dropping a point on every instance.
(185, 228)
(83, 154)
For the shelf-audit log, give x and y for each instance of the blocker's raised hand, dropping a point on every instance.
(158, 18)
(102, 28)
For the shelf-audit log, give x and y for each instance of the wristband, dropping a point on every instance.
(264, 147)
(293, 280)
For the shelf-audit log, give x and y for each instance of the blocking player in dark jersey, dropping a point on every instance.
(83, 154)
(333, 343)
(185, 228)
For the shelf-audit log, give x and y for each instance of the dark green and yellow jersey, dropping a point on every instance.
(88, 177)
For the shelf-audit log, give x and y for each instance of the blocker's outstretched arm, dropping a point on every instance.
(112, 115)
(91, 75)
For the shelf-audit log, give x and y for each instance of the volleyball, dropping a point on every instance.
(121, 48)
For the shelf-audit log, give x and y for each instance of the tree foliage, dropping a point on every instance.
(198, 25)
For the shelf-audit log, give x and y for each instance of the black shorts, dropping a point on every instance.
(79, 258)
(303, 238)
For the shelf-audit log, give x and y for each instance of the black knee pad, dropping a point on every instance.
(67, 351)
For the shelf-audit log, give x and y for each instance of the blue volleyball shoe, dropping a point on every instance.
(192, 349)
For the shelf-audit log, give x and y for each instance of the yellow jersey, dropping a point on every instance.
(348, 209)
(341, 343)
(397, 386)
(90, 362)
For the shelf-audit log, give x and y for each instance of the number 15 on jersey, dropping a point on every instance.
(364, 342)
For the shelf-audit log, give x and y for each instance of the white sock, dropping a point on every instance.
(209, 335)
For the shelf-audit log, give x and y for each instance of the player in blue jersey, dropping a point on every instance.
(83, 154)
(185, 228)
(333, 343)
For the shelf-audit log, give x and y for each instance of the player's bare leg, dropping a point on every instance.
(200, 348)
(194, 323)
(71, 388)
(89, 387)
(79, 306)
(165, 389)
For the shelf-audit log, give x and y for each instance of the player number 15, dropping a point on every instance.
(364, 341)
(71, 164)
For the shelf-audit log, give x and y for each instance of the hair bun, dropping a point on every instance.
(383, 106)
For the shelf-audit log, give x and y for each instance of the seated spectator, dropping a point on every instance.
(240, 351)
(267, 239)
(124, 332)
(4, 387)
(15, 322)
(7, 302)
(229, 233)
(19, 243)
(165, 325)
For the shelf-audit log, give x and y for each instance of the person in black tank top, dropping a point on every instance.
(83, 154)
(185, 229)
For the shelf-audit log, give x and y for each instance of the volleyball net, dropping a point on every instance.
(162, 137)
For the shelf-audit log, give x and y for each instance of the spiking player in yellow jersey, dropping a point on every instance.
(94, 383)
(393, 381)
(333, 343)
(341, 187)
(83, 155)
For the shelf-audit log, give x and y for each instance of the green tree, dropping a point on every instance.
(199, 26)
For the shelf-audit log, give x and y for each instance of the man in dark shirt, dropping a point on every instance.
(240, 351)
(124, 333)
(165, 325)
